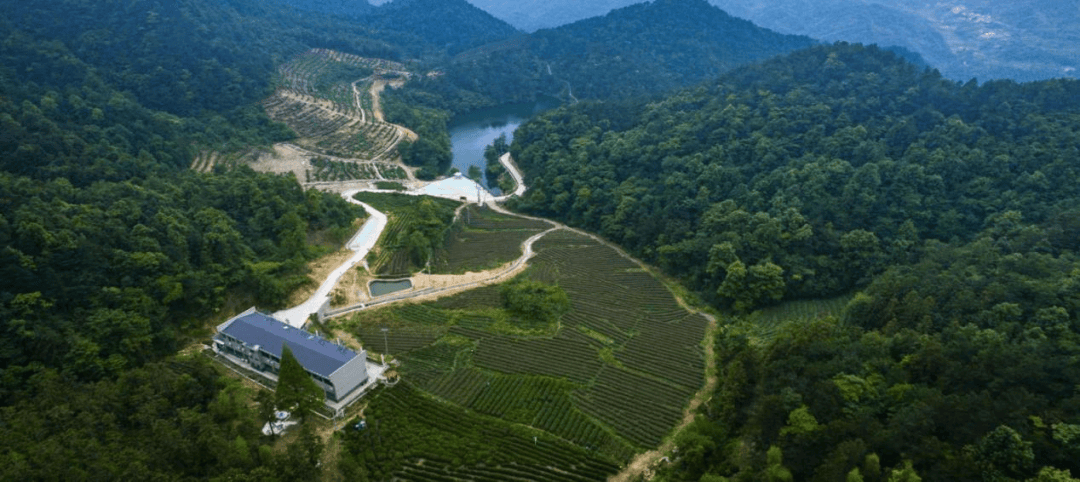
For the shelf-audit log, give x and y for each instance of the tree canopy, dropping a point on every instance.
(296, 391)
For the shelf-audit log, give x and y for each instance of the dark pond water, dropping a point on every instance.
(471, 133)
(380, 288)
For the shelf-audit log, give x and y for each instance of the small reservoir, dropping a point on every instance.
(381, 288)
(471, 133)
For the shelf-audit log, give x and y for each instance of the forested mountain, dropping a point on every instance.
(820, 148)
(835, 168)
(450, 25)
(113, 254)
(349, 8)
(634, 51)
(962, 38)
(947, 212)
(187, 56)
(532, 15)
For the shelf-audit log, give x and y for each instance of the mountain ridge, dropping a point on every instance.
(961, 38)
(631, 51)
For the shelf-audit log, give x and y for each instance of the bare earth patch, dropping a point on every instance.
(354, 284)
(320, 269)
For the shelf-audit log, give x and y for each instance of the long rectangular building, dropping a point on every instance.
(257, 339)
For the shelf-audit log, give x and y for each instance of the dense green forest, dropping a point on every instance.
(812, 172)
(952, 207)
(947, 213)
(113, 256)
(188, 56)
(451, 25)
(634, 51)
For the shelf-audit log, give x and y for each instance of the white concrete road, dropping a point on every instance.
(455, 187)
(360, 244)
(508, 163)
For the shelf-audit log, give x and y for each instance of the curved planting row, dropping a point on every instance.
(308, 120)
(424, 314)
(301, 72)
(472, 333)
(377, 64)
(483, 217)
(482, 239)
(412, 437)
(671, 349)
(641, 409)
(398, 339)
(482, 297)
(576, 361)
(542, 402)
(428, 365)
(460, 386)
(327, 170)
(391, 171)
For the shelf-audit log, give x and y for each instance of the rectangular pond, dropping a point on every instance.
(382, 288)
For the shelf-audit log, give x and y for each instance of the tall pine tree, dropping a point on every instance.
(296, 390)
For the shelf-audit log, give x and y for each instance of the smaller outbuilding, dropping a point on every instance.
(256, 339)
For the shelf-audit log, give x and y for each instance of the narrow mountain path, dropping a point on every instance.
(377, 88)
(358, 101)
(468, 281)
(519, 180)
(376, 104)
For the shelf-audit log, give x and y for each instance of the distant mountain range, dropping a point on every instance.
(1028, 40)
(962, 38)
(532, 15)
(636, 50)
(453, 25)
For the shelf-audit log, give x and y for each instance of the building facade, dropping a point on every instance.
(257, 340)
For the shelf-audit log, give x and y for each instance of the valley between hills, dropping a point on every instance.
(620, 366)
(720, 253)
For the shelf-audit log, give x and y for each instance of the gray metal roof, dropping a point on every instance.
(313, 352)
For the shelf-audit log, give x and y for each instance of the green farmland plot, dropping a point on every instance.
(411, 436)
(484, 239)
(417, 227)
(613, 375)
(766, 322)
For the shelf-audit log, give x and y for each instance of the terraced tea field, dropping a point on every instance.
(411, 436)
(483, 239)
(614, 378)
(766, 322)
(327, 170)
(325, 97)
(404, 212)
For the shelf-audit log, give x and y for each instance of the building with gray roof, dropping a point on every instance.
(257, 339)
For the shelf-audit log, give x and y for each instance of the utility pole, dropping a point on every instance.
(386, 343)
